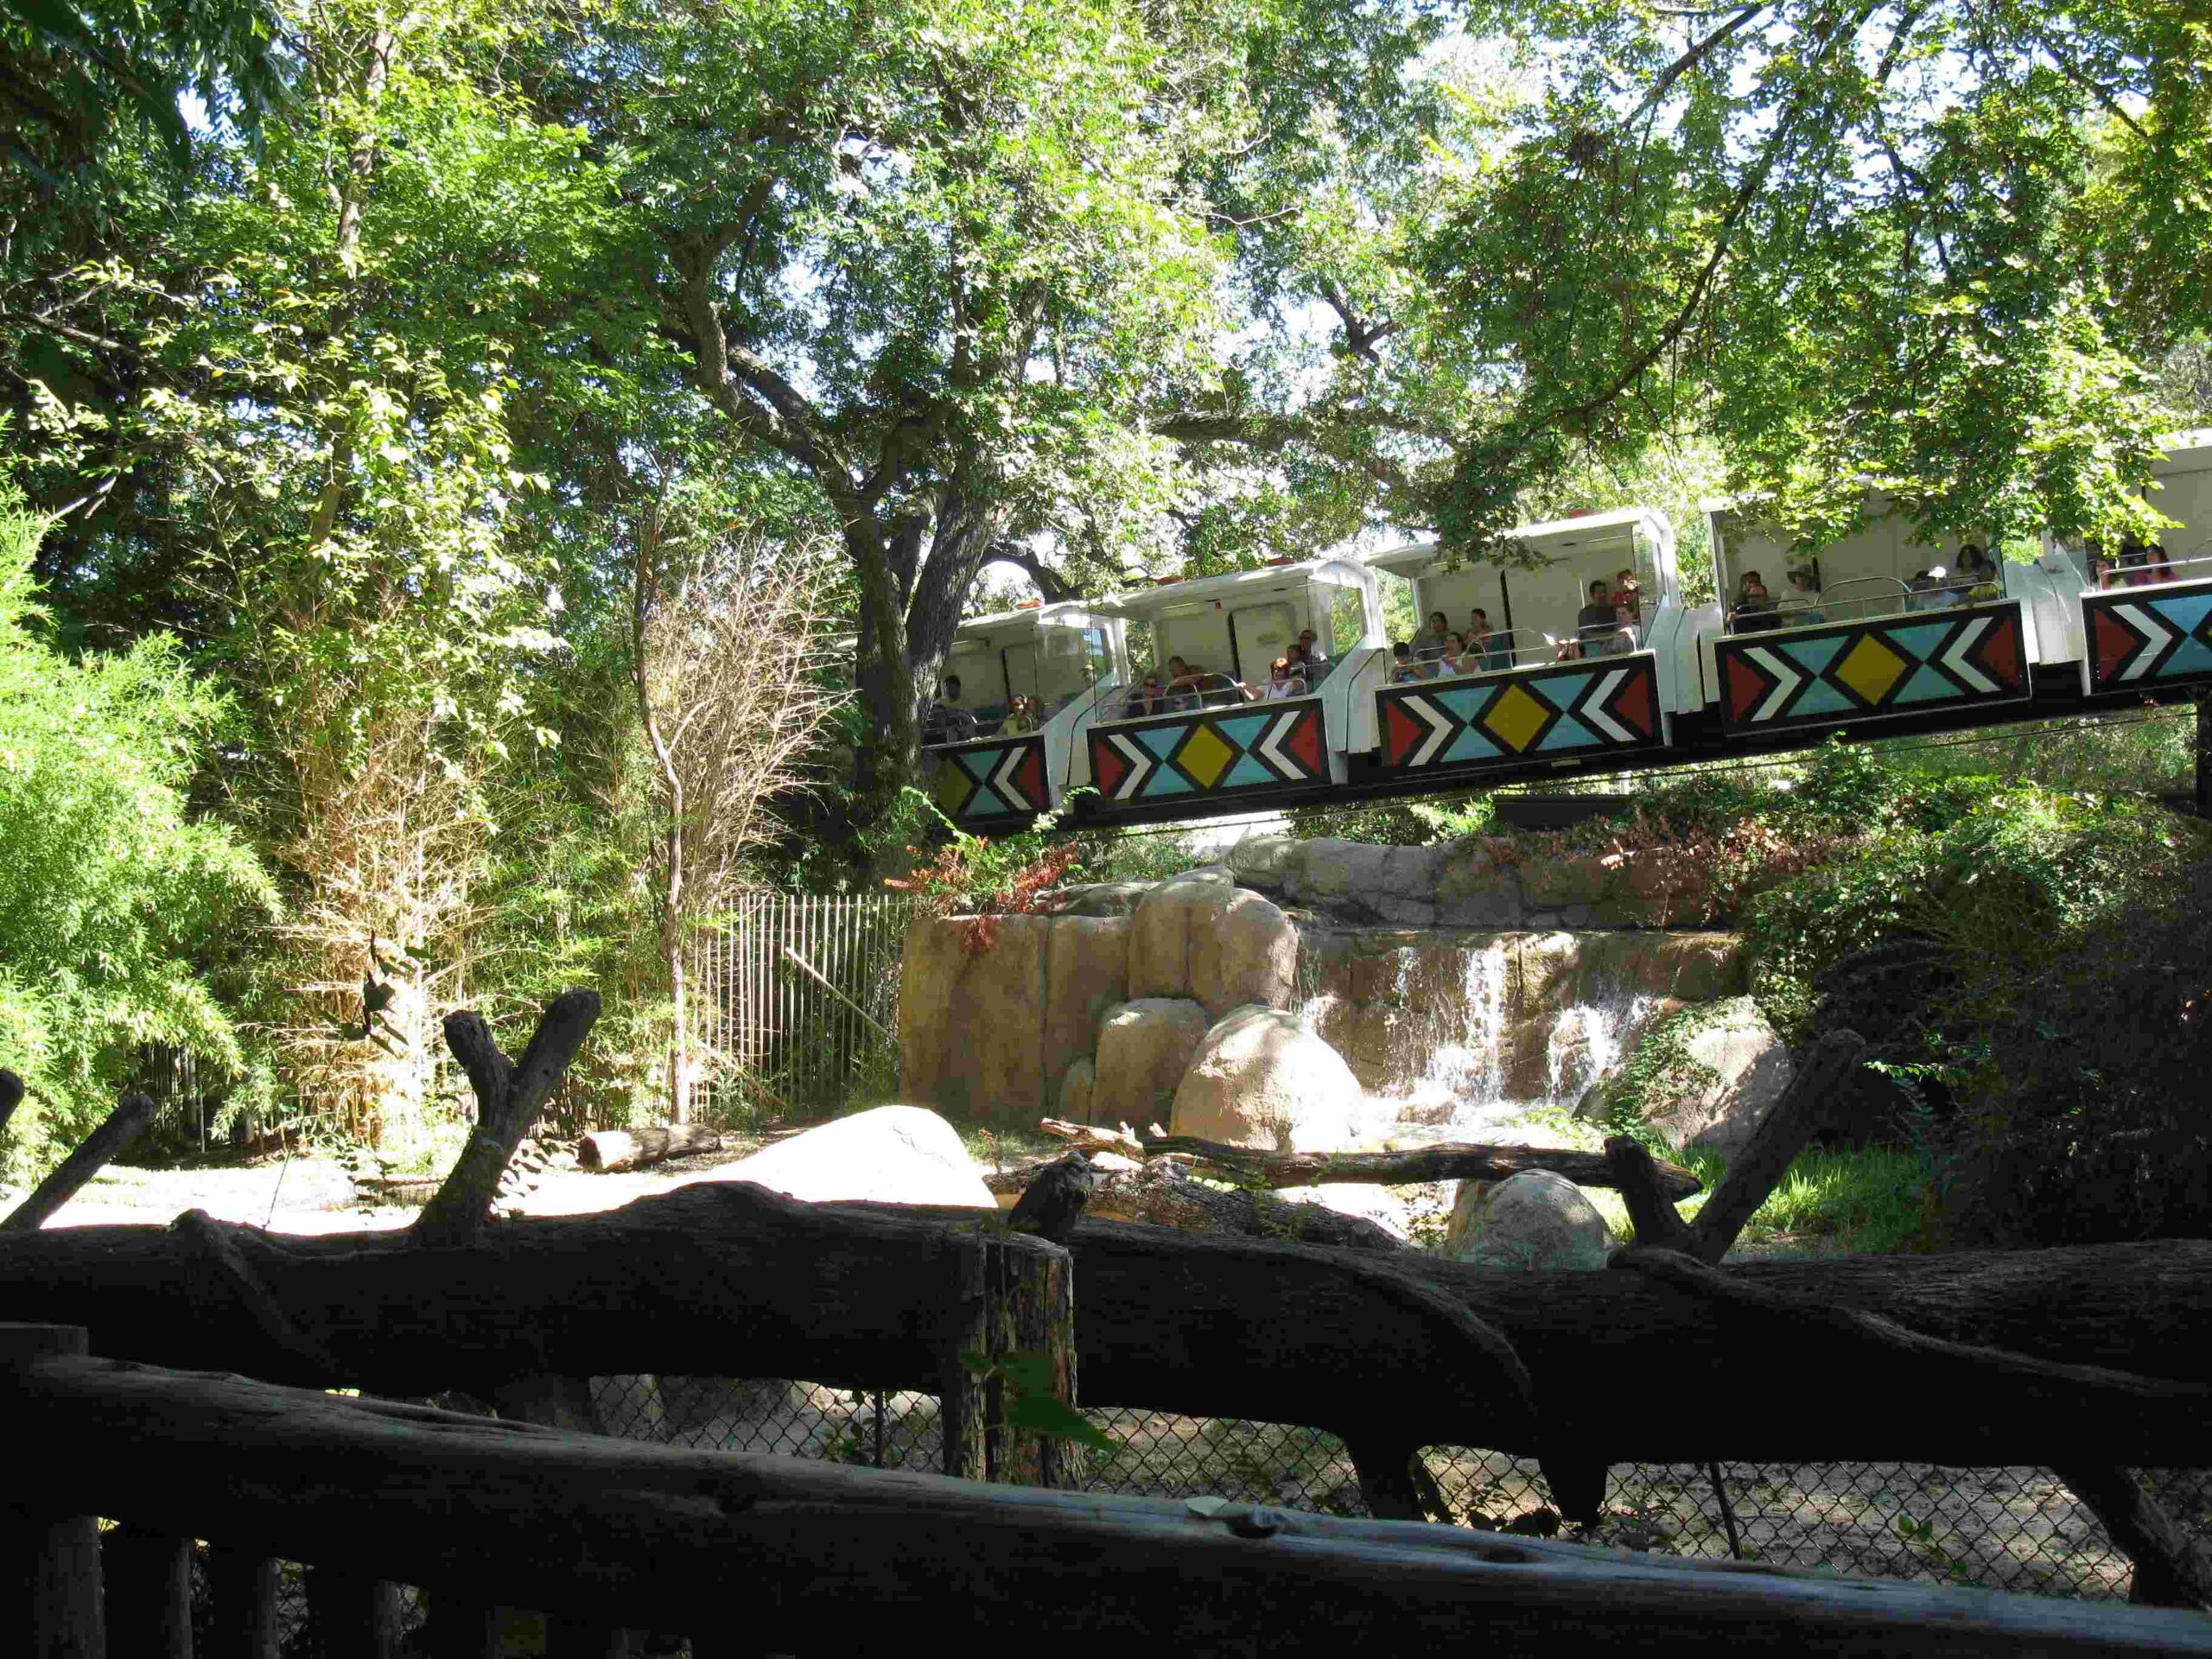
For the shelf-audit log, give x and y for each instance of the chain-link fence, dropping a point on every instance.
(2017, 1529)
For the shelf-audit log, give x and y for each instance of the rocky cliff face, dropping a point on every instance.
(1518, 1007)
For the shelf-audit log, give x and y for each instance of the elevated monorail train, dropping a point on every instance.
(1161, 703)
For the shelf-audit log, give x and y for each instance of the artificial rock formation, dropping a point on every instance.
(1535, 1222)
(1261, 1079)
(1144, 1048)
(991, 1033)
(892, 1155)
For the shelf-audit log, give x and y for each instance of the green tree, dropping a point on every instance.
(118, 903)
(930, 256)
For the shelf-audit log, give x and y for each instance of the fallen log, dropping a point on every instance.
(607, 1150)
(857, 1559)
(1163, 1193)
(728, 1280)
(1454, 1160)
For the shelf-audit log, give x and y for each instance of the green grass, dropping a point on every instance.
(1867, 1202)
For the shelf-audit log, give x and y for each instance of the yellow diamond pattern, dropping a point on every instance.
(950, 788)
(1206, 756)
(1871, 668)
(1516, 718)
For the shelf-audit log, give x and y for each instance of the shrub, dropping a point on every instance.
(116, 904)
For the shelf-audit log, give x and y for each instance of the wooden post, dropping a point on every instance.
(149, 1592)
(49, 1563)
(352, 1617)
(1012, 1294)
(242, 1594)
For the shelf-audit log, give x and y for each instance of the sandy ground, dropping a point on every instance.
(310, 1193)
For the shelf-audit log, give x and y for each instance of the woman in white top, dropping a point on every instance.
(1281, 683)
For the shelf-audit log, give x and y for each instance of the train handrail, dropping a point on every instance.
(2159, 571)
(1892, 588)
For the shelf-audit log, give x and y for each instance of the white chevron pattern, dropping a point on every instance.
(1439, 730)
(1140, 765)
(1274, 736)
(1002, 784)
(1788, 677)
(1593, 707)
(1954, 656)
(2154, 628)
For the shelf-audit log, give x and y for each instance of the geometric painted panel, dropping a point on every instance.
(2139, 637)
(1503, 719)
(1211, 752)
(1893, 665)
(994, 777)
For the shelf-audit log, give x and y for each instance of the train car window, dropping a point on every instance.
(1347, 622)
(1020, 665)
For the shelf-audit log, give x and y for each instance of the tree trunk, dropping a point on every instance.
(728, 1280)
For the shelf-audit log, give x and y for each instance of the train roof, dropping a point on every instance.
(1149, 601)
(1028, 616)
(1563, 535)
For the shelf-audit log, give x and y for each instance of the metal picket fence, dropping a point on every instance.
(795, 997)
(2017, 1529)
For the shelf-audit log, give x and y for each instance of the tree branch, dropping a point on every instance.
(1692, 58)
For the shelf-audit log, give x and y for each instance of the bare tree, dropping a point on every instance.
(726, 662)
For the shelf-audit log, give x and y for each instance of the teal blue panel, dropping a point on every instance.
(1165, 780)
(2190, 657)
(1816, 654)
(1248, 770)
(977, 762)
(1821, 698)
(1470, 745)
(2188, 610)
(1243, 730)
(1926, 686)
(1570, 734)
(1161, 741)
(1466, 701)
(1923, 642)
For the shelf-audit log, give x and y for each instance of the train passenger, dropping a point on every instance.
(1754, 611)
(1804, 605)
(1146, 699)
(1455, 647)
(1283, 681)
(1185, 681)
(1432, 643)
(947, 722)
(1598, 625)
(1497, 648)
(1977, 569)
(1628, 598)
(1316, 661)
(1403, 668)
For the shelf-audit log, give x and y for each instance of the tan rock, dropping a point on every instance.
(1160, 934)
(892, 1155)
(1242, 950)
(1077, 1086)
(1261, 1079)
(1144, 1048)
(971, 1024)
(1086, 972)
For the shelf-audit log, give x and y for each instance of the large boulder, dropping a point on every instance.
(1242, 950)
(1144, 1048)
(1535, 1222)
(892, 1155)
(1261, 1079)
(1736, 1068)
